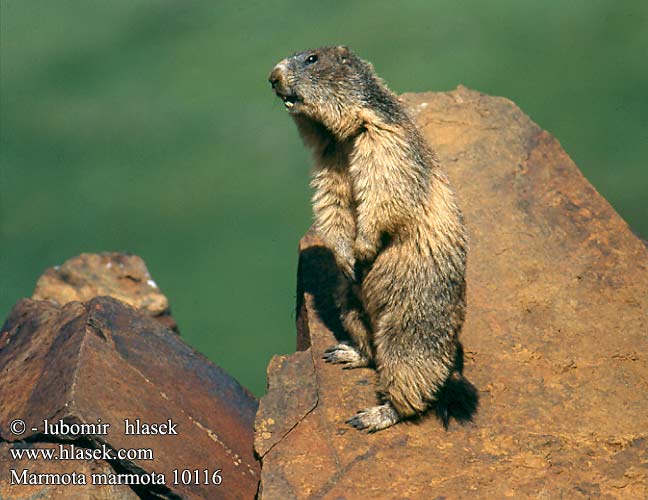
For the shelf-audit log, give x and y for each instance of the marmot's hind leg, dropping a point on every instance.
(401, 401)
(408, 385)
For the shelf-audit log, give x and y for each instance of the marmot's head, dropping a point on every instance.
(330, 85)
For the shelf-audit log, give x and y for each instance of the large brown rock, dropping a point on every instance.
(555, 340)
(104, 360)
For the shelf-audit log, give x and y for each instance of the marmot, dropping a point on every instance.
(385, 209)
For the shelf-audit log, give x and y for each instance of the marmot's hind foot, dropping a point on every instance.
(375, 418)
(347, 355)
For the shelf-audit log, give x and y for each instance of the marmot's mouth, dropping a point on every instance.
(289, 99)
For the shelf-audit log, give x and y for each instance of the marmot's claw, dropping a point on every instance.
(375, 418)
(347, 355)
(341, 345)
(357, 422)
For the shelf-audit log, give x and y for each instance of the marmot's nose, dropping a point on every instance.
(274, 77)
(277, 76)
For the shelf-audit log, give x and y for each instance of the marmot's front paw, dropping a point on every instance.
(364, 250)
(375, 418)
(347, 355)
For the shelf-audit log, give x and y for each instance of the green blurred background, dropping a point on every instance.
(149, 127)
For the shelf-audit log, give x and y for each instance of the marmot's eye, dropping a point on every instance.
(311, 59)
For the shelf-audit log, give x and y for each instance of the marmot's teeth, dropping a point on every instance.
(289, 104)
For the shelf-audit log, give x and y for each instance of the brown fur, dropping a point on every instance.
(386, 211)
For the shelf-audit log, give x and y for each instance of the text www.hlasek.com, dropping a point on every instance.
(72, 452)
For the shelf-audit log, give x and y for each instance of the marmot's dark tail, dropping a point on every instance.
(457, 399)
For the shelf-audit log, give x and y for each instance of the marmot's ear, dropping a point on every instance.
(343, 53)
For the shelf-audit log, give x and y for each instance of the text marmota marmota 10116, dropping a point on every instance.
(385, 209)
